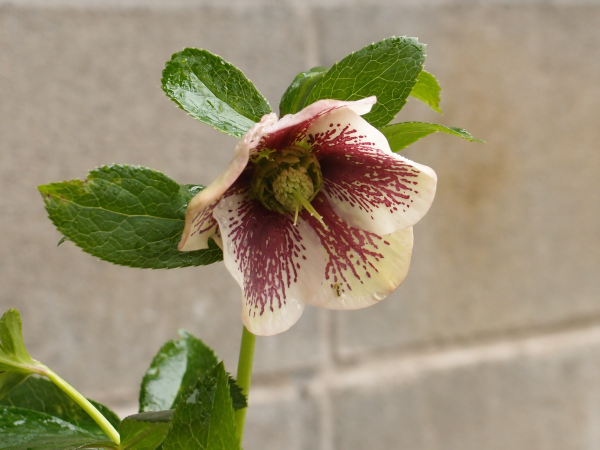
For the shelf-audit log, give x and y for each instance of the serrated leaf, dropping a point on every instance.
(213, 91)
(295, 96)
(401, 135)
(24, 429)
(127, 215)
(238, 399)
(174, 370)
(427, 89)
(205, 419)
(39, 394)
(145, 431)
(387, 69)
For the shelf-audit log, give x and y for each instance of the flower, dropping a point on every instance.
(313, 209)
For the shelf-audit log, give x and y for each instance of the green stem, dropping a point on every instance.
(85, 404)
(244, 374)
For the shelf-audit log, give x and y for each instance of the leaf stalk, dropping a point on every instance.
(84, 403)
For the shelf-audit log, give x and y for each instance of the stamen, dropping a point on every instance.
(278, 173)
(313, 212)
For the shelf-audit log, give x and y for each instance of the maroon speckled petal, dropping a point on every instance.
(198, 223)
(368, 186)
(362, 267)
(279, 266)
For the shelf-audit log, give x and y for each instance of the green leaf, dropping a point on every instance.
(294, 98)
(10, 380)
(428, 91)
(127, 215)
(24, 429)
(174, 370)
(145, 431)
(12, 347)
(213, 91)
(401, 135)
(15, 363)
(387, 69)
(205, 420)
(238, 398)
(41, 395)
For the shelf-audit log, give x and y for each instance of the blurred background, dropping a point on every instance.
(493, 341)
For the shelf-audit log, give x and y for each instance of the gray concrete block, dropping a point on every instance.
(538, 395)
(283, 419)
(79, 89)
(511, 242)
(174, 4)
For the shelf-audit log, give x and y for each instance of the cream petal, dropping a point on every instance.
(292, 129)
(199, 224)
(368, 186)
(360, 107)
(279, 266)
(362, 267)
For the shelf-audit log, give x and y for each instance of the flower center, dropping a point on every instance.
(289, 184)
(287, 180)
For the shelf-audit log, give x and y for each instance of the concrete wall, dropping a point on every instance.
(493, 342)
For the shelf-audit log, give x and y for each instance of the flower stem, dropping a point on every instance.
(244, 374)
(85, 404)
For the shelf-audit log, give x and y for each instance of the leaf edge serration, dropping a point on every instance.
(187, 259)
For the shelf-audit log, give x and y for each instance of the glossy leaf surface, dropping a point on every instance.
(24, 429)
(295, 96)
(401, 135)
(213, 91)
(41, 395)
(145, 431)
(387, 69)
(205, 419)
(177, 367)
(174, 370)
(127, 215)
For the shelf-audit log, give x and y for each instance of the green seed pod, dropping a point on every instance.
(281, 176)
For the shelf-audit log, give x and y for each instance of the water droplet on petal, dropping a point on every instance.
(378, 296)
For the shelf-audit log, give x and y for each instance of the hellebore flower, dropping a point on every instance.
(313, 209)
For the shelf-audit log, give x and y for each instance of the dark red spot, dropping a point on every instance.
(266, 251)
(347, 247)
